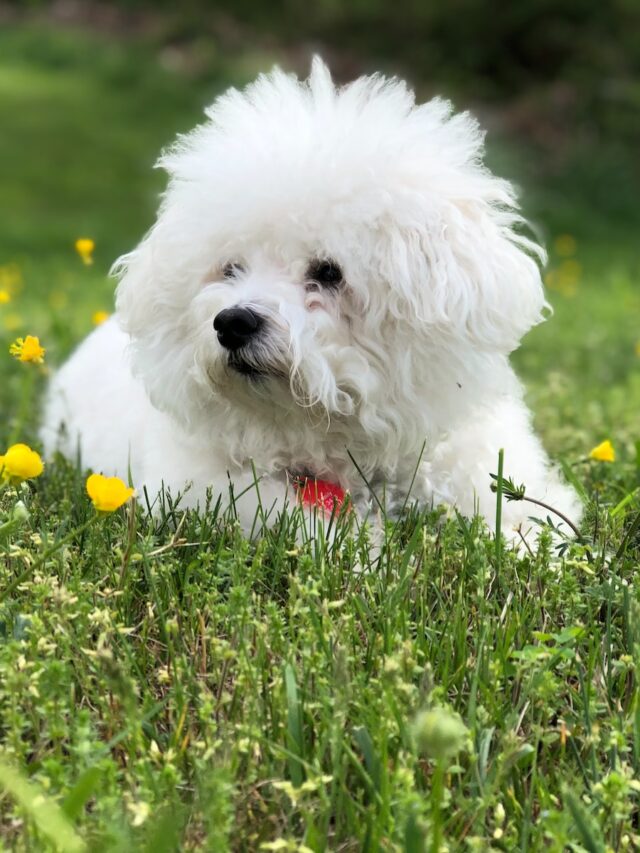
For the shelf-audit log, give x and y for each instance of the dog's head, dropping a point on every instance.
(331, 249)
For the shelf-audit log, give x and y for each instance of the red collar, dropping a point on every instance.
(313, 492)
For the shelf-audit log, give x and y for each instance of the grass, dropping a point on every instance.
(166, 685)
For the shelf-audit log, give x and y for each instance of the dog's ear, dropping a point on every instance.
(455, 244)
(134, 295)
(147, 296)
(147, 307)
(471, 272)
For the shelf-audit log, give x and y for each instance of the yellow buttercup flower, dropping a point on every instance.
(565, 245)
(564, 278)
(10, 278)
(99, 317)
(58, 299)
(20, 463)
(570, 270)
(5, 297)
(107, 493)
(603, 452)
(12, 322)
(28, 350)
(85, 247)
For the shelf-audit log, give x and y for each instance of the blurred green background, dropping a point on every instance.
(91, 92)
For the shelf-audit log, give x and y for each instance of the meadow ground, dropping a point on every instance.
(166, 685)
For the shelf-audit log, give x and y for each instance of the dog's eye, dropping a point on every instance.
(233, 269)
(326, 273)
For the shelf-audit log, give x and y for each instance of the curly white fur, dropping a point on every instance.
(408, 354)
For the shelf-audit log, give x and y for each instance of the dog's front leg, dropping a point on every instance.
(462, 465)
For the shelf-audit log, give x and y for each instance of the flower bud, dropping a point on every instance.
(19, 513)
(440, 733)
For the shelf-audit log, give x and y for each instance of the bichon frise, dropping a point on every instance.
(331, 289)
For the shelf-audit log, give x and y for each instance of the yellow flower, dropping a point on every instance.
(140, 811)
(85, 247)
(638, 348)
(564, 278)
(604, 452)
(28, 349)
(570, 270)
(12, 322)
(10, 278)
(99, 317)
(565, 245)
(19, 463)
(5, 297)
(107, 493)
(58, 299)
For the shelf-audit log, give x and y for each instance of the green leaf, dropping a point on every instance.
(622, 504)
(571, 478)
(371, 760)
(295, 736)
(81, 791)
(585, 826)
(44, 812)
(414, 837)
(164, 835)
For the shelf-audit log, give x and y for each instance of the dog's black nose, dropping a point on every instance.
(235, 326)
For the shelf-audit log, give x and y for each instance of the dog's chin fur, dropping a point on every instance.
(402, 363)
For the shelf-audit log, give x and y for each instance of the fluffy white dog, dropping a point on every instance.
(332, 289)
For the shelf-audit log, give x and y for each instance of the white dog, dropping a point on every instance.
(331, 289)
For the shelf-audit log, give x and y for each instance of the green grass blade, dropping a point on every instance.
(45, 814)
(81, 791)
(586, 829)
(295, 735)
(371, 761)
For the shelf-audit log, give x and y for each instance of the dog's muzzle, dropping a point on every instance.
(236, 327)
